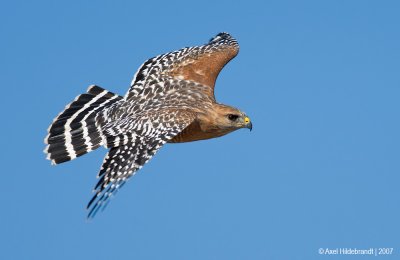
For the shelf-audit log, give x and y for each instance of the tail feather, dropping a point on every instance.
(75, 131)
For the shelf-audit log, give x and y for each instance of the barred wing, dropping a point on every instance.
(129, 152)
(200, 64)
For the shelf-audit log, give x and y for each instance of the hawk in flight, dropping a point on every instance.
(171, 100)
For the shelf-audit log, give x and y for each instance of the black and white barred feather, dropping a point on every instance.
(77, 131)
(130, 152)
(151, 70)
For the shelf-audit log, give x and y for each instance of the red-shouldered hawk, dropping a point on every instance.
(171, 100)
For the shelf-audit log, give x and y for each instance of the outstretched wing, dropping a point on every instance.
(200, 64)
(129, 152)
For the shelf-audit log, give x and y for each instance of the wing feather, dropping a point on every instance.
(133, 151)
(200, 64)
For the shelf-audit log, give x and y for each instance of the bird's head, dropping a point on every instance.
(231, 118)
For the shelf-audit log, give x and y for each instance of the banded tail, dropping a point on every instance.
(77, 130)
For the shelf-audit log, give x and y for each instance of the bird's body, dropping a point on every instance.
(171, 99)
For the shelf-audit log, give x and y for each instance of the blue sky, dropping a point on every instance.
(320, 80)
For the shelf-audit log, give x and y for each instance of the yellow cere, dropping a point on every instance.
(246, 119)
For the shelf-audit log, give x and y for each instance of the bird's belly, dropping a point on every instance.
(194, 133)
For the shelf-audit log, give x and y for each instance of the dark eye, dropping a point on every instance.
(233, 117)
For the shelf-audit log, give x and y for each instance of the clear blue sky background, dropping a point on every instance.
(320, 80)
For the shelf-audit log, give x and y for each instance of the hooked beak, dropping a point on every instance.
(248, 124)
